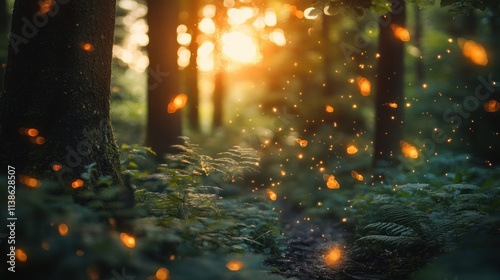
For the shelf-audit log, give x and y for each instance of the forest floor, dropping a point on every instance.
(307, 243)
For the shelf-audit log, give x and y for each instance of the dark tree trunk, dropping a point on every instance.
(328, 88)
(218, 99)
(219, 76)
(192, 85)
(163, 128)
(3, 16)
(419, 64)
(389, 89)
(4, 24)
(54, 112)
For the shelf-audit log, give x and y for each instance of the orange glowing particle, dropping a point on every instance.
(408, 150)
(356, 176)
(21, 255)
(352, 149)
(78, 183)
(88, 47)
(30, 181)
(234, 265)
(492, 106)
(473, 51)
(57, 167)
(302, 143)
(333, 256)
(364, 85)
(39, 140)
(45, 6)
(32, 132)
(272, 195)
(177, 103)
(400, 32)
(329, 109)
(127, 240)
(392, 105)
(332, 183)
(162, 274)
(63, 229)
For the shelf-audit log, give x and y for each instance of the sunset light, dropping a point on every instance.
(240, 47)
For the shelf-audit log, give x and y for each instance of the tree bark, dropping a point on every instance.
(220, 68)
(389, 89)
(54, 112)
(163, 128)
(4, 19)
(192, 85)
(4, 25)
(328, 89)
(419, 64)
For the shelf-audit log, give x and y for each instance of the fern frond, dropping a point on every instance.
(392, 229)
(391, 241)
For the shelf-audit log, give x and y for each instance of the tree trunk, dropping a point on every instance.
(54, 112)
(3, 16)
(328, 89)
(419, 64)
(4, 24)
(218, 98)
(219, 76)
(389, 89)
(192, 85)
(163, 128)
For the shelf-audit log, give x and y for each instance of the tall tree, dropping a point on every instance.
(4, 25)
(389, 88)
(192, 85)
(54, 110)
(163, 128)
(419, 64)
(219, 76)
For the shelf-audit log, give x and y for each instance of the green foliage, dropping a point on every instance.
(179, 200)
(416, 222)
(466, 6)
(176, 216)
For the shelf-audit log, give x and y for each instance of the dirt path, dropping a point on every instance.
(308, 242)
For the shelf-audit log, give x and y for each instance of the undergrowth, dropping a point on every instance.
(402, 228)
(180, 218)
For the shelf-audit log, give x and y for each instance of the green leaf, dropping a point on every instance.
(445, 3)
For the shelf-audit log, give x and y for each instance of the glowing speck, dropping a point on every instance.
(352, 149)
(78, 183)
(234, 265)
(272, 195)
(127, 240)
(333, 256)
(408, 150)
(162, 274)
(21, 255)
(63, 229)
(88, 47)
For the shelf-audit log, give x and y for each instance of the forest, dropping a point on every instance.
(249, 139)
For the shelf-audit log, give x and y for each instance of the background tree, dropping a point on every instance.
(389, 88)
(220, 68)
(163, 128)
(4, 25)
(192, 70)
(54, 111)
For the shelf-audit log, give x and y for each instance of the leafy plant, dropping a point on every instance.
(412, 223)
(183, 204)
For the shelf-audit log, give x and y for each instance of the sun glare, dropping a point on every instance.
(240, 47)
